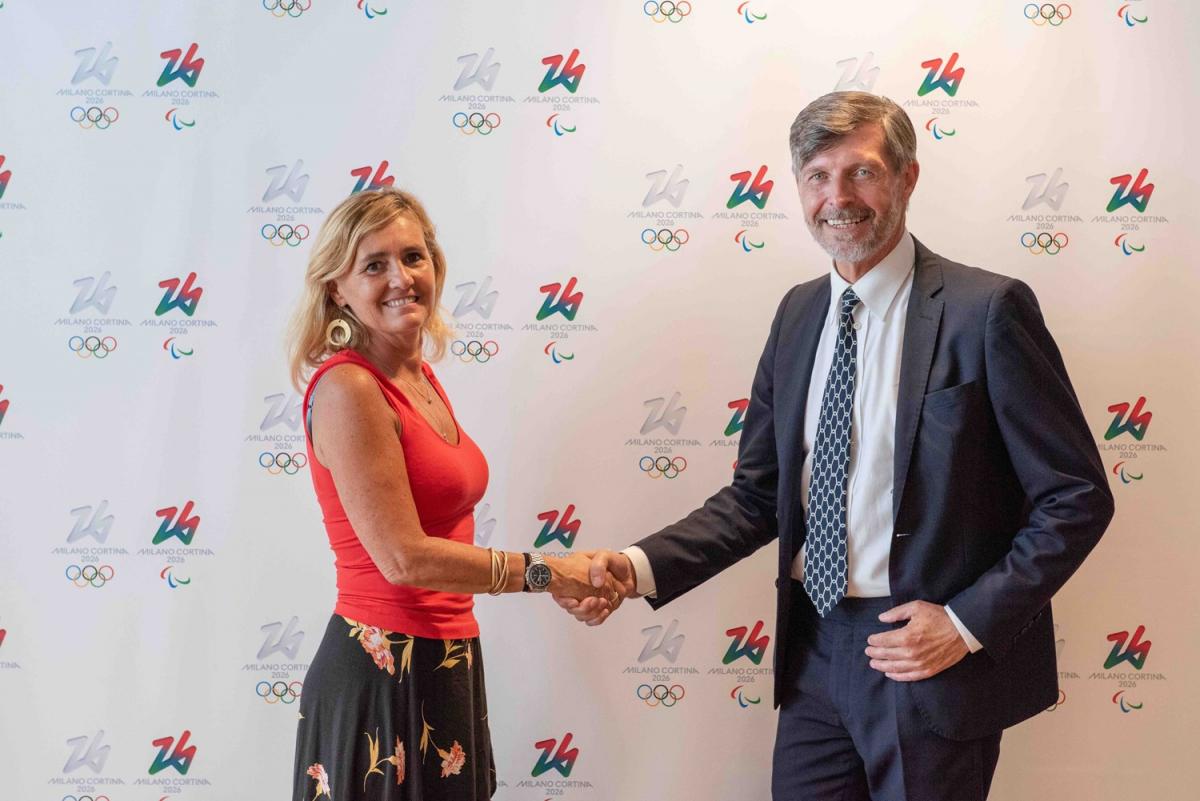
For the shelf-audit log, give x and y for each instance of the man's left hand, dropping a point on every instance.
(928, 644)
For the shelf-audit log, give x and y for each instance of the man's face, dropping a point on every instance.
(853, 199)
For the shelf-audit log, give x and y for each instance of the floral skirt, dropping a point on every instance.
(386, 716)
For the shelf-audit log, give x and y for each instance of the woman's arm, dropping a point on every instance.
(356, 435)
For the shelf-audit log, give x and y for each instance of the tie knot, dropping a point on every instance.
(849, 300)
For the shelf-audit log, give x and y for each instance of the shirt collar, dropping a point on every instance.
(878, 288)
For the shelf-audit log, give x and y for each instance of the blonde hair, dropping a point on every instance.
(332, 256)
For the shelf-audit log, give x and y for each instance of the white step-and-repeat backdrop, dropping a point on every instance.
(611, 184)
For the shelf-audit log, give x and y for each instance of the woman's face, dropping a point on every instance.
(390, 284)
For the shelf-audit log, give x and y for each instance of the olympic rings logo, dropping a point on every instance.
(279, 235)
(1047, 13)
(665, 238)
(94, 116)
(472, 350)
(1044, 242)
(277, 462)
(85, 798)
(661, 694)
(87, 347)
(279, 691)
(83, 575)
(476, 122)
(662, 466)
(289, 8)
(666, 10)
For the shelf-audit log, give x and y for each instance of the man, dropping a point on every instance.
(915, 444)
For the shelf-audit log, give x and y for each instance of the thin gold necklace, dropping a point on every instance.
(428, 397)
(425, 394)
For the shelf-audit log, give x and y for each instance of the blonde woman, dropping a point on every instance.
(393, 704)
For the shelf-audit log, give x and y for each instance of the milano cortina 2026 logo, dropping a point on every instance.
(1127, 217)
(1125, 670)
(173, 760)
(176, 542)
(553, 770)
(474, 108)
(177, 315)
(277, 447)
(937, 107)
(664, 224)
(84, 768)
(659, 676)
(88, 561)
(282, 220)
(746, 207)
(95, 333)
(657, 449)
(559, 88)
(275, 674)
(1125, 444)
(558, 317)
(480, 338)
(743, 660)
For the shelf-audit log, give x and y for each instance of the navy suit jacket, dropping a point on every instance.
(999, 490)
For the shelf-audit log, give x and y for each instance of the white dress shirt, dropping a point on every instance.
(879, 324)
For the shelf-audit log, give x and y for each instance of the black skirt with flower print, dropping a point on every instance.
(385, 716)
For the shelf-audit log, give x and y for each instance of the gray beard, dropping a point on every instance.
(882, 229)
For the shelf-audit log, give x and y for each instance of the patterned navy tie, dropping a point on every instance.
(825, 554)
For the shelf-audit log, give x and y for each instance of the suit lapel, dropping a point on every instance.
(921, 326)
(799, 351)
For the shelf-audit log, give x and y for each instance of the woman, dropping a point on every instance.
(393, 704)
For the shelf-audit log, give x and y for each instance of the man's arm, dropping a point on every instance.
(1056, 462)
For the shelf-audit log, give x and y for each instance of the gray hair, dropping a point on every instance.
(830, 117)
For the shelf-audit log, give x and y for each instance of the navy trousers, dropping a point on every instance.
(849, 733)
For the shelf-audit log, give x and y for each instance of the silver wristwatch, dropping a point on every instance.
(537, 573)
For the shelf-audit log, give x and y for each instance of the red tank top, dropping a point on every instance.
(447, 481)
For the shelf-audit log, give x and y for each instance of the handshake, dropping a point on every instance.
(590, 585)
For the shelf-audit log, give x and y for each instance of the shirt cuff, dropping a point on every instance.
(973, 645)
(643, 575)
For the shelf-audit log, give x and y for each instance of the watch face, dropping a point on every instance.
(539, 576)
